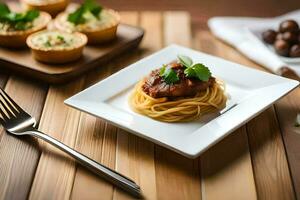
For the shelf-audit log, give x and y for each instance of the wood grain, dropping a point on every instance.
(287, 110)
(177, 28)
(270, 166)
(272, 178)
(19, 155)
(135, 156)
(226, 169)
(227, 165)
(177, 177)
(55, 171)
(248, 164)
(97, 139)
(89, 135)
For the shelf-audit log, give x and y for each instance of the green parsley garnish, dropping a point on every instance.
(19, 21)
(197, 70)
(47, 44)
(185, 61)
(61, 38)
(168, 74)
(80, 15)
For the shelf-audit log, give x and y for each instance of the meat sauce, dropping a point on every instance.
(156, 87)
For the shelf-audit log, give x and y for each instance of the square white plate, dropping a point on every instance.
(252, 90)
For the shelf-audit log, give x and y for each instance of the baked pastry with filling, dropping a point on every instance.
(97, 23)
(53, 7)
(15, 27)
(56, 47)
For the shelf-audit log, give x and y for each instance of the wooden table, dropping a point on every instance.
(251, 163)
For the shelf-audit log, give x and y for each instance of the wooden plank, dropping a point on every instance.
(135, 156)
(102, 136)
(226, 169)
(272, 178)
(19, 155)
(227, 165)
(287, 110)
(87, 134)
(177, 28)
(276, 168)
(79, 186)
(270, 166)
(55, 170)
(96, 139)
(177, 177)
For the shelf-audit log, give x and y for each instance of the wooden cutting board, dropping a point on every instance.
(22, 62)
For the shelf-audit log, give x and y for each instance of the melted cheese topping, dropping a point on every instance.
(107, 18)
(55, 40)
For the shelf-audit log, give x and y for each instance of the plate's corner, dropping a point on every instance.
(193, 154)
(68, 101)
(294, 83)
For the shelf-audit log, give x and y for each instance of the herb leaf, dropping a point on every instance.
(169, 75)
(4, 10)
(61, 38)
(17, 20)
(31, 15)
(77, 16)
(199, 71)
(89, 6)
(93, 7)
(185, 60)
(162, 70)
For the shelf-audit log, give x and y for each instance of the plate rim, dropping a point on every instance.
(191, 152)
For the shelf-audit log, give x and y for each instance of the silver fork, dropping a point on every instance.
(16, 121)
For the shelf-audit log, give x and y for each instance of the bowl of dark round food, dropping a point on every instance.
(285, 40)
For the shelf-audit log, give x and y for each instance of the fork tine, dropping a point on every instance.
(15, 108)
(10, 110)
(9, 114)
(4, 116)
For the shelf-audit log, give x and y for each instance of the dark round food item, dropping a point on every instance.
(288, 26)
(295, 50)
(282, 47)
(279, 36)
(290, 37)
(269, 36)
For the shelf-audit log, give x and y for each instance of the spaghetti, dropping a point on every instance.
(178, 109)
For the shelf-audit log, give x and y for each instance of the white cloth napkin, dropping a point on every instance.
(233, 30)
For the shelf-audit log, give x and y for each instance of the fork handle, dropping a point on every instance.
(101, 170)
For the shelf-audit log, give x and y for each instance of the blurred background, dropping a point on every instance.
(201, 10)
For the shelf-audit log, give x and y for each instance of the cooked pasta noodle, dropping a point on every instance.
(179, 109)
